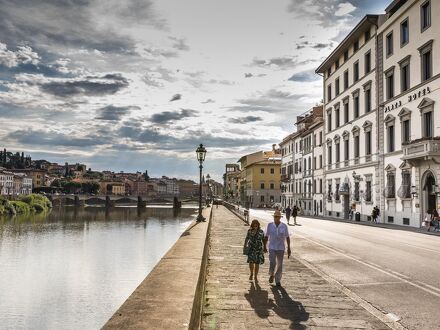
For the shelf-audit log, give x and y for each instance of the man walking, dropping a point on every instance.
(276, 233)
(288, 210)
(294, 213)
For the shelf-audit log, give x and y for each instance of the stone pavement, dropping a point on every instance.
(305, 300)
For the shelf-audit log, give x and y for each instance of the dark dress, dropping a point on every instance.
(255, 244)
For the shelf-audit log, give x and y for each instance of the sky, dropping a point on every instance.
(137, 85)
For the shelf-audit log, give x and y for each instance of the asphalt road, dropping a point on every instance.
(397, 272)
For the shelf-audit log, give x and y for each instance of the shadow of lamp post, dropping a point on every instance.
(201, 154)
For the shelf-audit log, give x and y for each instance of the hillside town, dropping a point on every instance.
(373, 143)
(20, 175)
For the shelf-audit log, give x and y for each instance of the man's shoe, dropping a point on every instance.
(271, 279)
(278, 284)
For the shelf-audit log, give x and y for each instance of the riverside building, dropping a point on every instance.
(350, 110)
(409, 96)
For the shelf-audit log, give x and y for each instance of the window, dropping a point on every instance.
(356, 146)
(337, 192)
(426, 60)
(272, 186)
(368, 191)
(320, 161)
(346, 110)
(346, 55)
(346, 150)
(261, 185)
(337, 117)
(425, 15)
(391, 138)
(329, 192)
(329, 92)
(367, 100)
(389, 44)
(367, 35)
(356, 191)
(329, 71)
(404, 76)
(320, 138)
(356, 105)
(262, 170)
(329, 158)
(368, 62)
(427, 124)
(405, 189)
(337, 63)
(337, 152)
(406, 136)
(356, 46)
(272, 171)
(390, 190)
(368, 143)
(345, 79)
(404, 32)
(390, 83)
(337, 86)
(356, 71)
(261, 198)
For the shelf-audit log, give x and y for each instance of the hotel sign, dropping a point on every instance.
(411, 97)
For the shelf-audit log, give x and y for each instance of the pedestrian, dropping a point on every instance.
(374, 214)
(294, 214)
(288, 210)
(253, 248)
(276, 233)
(377, 214)
(434, 220)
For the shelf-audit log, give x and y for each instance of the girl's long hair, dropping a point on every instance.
(255, 221)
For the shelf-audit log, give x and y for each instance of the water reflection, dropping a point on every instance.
(72, 268)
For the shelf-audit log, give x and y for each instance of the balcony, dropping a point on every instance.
(284, 178)
(421, 149)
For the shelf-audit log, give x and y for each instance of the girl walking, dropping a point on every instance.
(253, 248)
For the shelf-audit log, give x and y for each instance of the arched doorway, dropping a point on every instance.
(429, 197)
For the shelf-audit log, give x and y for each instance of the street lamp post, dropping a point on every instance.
(201, 153)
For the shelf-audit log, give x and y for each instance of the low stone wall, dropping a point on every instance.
(238, 211)
(170, 297)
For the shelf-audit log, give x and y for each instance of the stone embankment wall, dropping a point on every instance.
(170, 297)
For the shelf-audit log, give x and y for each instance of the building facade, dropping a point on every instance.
(260, 178)
(409, 97)
(351, 116)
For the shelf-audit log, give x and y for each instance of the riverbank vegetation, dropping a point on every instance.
(25, 204)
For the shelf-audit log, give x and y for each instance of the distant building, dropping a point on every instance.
(260, 178)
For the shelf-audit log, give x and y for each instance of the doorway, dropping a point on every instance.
(429, 194)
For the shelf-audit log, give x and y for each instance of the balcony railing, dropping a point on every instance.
(421, 149)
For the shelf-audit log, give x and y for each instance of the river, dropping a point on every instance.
(72, 268)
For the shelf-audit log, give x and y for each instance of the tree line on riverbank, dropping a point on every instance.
(34, 203)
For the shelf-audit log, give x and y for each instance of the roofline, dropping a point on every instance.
(342, 43)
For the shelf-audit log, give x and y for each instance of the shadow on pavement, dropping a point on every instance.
(289, 309)
(259, 300)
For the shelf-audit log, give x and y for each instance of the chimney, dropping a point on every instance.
(273, 147)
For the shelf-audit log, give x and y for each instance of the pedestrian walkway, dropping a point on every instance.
(305, 300)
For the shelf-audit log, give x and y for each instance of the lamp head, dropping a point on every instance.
(201, 153)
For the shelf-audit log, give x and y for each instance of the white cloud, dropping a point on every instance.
(345, 8)
(23, 54)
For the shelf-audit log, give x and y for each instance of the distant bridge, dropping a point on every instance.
(111, 200)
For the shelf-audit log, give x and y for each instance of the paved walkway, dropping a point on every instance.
(305, 301)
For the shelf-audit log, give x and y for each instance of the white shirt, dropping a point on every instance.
(277, 236)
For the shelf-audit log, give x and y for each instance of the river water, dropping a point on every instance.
(73, 268)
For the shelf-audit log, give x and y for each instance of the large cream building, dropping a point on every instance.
(350, 108)
(381, 145)
(409, 97)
